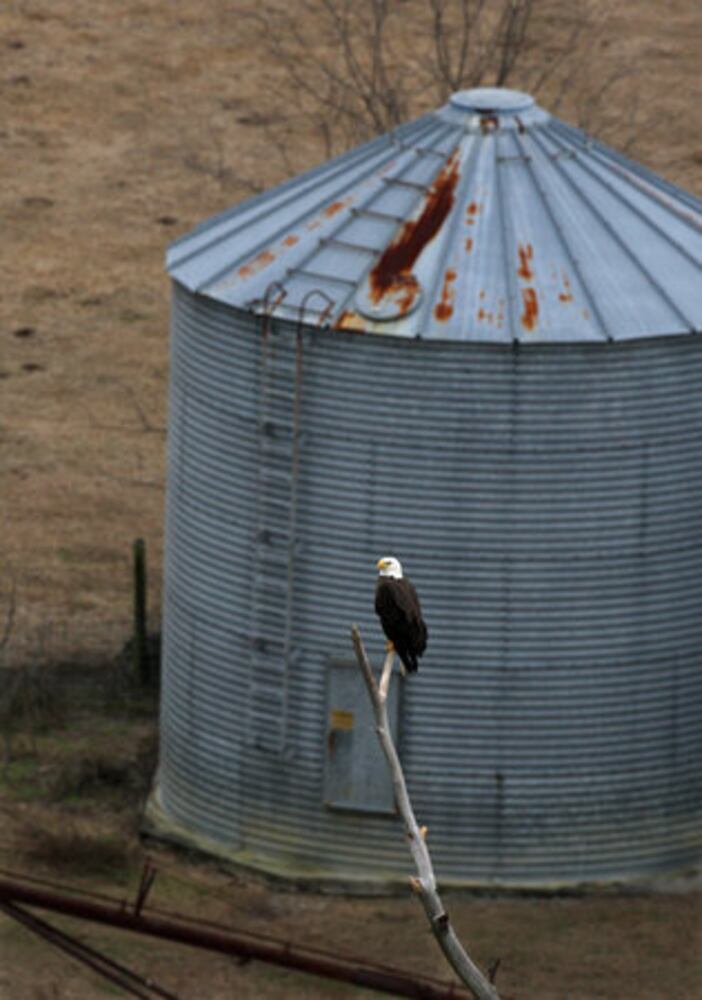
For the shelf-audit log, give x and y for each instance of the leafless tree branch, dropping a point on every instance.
(371, 64)
(425, 882)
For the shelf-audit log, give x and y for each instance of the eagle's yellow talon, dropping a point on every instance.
(424, 830)
(389, 646)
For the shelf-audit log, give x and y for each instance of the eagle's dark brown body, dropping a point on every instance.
(397, 606)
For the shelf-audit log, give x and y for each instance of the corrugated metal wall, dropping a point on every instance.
(547, 502)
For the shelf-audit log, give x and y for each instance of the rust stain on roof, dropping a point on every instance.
(329, 212)
(291, 240)
(469, 244)
(526, 255)
(443, 310)
(393, 272)
(530, 315)
(494, 316)
(349, 320)
(567, 294)
(471, 212)
(489, 123)
(406, 291)
(336, 206)
(261, 260)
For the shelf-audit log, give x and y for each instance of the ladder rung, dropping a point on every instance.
(266, 618)
(412, 185)
(271, 696)
(273, 430)
(296, 308)
(271, 450)
(318, 276)
(346, 245)
(270, 367)
(273, 540)
(273, 663)
(269, 668)
(272, 585)
(273, 560)
(266, 742)
(276, 540)
(282, 476)
(278, 504)
(371, 213)
(421, 150)
(275, 390)
(267, 644)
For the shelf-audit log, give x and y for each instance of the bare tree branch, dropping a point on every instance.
(511, 36)
(425, 884)
(354, 69)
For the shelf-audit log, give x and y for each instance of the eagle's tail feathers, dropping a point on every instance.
(409, 659)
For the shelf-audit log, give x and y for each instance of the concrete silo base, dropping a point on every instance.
(157, 825)
(276, 872)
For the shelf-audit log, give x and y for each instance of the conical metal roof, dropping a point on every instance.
(486, 220)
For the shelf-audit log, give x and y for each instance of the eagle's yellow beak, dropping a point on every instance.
(381, 564)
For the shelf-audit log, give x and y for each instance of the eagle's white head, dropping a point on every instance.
(390, 566)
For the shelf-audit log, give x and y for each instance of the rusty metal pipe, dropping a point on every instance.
(228, 942)
(100, 963)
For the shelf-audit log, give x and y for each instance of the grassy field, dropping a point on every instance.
(123, 125)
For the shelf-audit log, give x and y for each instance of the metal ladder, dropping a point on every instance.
(273, 577)
(276, 546)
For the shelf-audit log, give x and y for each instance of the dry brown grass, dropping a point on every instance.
(78, 847)
(122, 126)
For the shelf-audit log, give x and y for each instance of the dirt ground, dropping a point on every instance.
(123, 125)
(70, 802)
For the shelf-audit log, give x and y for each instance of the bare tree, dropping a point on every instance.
(352, 69)
(424, 884)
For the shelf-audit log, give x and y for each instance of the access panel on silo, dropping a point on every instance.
(356, 775)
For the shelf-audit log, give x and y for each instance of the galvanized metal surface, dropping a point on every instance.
(487, 220)
(356, 774)
(546, 500)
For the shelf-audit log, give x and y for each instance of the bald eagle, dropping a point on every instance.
(397, 606)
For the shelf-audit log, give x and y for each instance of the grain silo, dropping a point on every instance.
(472, 342)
